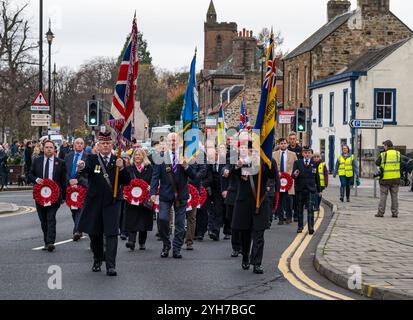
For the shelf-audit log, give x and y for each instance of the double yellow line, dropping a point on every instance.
(289, 265)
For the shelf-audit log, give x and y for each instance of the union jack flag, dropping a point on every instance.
(123, 102)
(244, 122)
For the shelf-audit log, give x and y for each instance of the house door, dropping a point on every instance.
(331, 155)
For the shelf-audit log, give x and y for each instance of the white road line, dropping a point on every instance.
(57, 244)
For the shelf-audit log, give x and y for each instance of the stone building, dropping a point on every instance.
(345, 36)
(232, 63)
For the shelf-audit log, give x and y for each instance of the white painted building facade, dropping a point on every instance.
(378, 85)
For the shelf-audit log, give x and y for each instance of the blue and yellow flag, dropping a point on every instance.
(189, 116)
(222, 127)
(267, 109)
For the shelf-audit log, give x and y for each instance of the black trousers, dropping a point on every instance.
(111, 246)
(284, 207)
(75, 217)
(235, 234)
(142, 237)
(47, 216)
(202, 219)
(306, 198)
(216, 214)
(255, 254)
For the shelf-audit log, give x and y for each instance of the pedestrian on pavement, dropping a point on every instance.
(323, 176)
(172, 178)
(389, 163)
(71, 161)
(285, 160)
(307, 185)
(49, 167)
(100, 212)
(4, 169)
(246, 221)
(139, 218)
(347, 170)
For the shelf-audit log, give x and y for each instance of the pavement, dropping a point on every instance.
(8, 208)
(357, 243)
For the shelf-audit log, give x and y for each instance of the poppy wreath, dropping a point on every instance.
(286, 182)
(75, 196)
(202, 197)
(46, 194)
(137, 192)
(193, 200)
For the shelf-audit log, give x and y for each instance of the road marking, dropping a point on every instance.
(24, 210)
(57, 243)
(293, 273)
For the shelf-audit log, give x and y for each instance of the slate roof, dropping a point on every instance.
(373, 57)
(320, 35)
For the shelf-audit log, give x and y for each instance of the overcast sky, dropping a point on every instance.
(88, 28)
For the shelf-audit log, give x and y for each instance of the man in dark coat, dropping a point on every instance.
(71, 160)
(100, 212)
(246, 220)
(307, 183)
(49, 167)
(171, 175)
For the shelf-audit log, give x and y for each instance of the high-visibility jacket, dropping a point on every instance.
(345, 168)
(321, 174)
(390, 162)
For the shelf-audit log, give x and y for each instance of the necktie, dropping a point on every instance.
(306, 163)
(282, 168)
(106, 159)
(46, 169)
(175, 165)
(75, 160)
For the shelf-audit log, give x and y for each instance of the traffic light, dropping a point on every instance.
(301, 120)
(93, 113)
(294, 124)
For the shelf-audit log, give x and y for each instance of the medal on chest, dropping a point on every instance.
(97, 169)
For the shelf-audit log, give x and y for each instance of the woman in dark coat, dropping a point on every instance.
(250, 225)
(139, 218)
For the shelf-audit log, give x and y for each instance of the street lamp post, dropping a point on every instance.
(40, 53)
(50, 37)
(54, 93)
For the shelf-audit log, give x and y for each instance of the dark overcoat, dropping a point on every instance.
(100, 213)
(244, 216)
(139, 218)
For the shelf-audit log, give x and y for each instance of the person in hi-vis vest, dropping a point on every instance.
(323, 174)
(389, 163)
(347, 170)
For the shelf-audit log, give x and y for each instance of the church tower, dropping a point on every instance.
(218, 39)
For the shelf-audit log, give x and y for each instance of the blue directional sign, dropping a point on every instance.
(367, 124)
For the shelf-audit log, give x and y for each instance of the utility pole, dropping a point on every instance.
(40, 53)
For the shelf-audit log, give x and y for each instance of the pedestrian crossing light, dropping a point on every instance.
(301, 120)
(93, 113)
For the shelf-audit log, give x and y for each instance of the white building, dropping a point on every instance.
(378, 85)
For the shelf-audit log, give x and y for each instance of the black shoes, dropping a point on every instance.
(123, 237)
(235, 254)
(165, 253)
(77, 236)
(258, 269)
(142, 247)
(342, 199)
(395, 216)
(97, 266)
(227, 237)
(177, 256)
(348, 200)
(50, 247)
(311, 232)
(300, 230)
(245, 265)
(130, 245)
(111, 272)
(214, 237)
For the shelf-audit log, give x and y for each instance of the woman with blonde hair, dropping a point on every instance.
(139, 218)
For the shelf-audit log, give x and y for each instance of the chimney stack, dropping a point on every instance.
(336, 8)
(373, 6)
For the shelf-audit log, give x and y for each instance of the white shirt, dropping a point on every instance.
(51, 165)
(107, 157)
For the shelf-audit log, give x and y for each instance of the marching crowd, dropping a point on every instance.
(293, 183)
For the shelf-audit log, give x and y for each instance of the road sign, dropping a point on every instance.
(367, 124)
(40, 123)
(40, 108)
(39, 116)
(40, 103)
(211, 122)
(285, 117)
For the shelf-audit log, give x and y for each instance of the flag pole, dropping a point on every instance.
(115, 188)
(258, 203)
